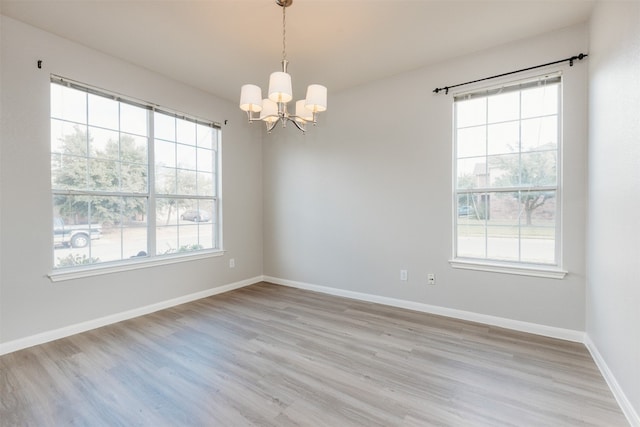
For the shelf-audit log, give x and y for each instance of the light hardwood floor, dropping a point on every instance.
(268, 355)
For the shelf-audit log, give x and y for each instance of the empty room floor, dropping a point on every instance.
(269, 355)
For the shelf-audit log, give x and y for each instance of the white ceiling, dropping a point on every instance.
(218, 45)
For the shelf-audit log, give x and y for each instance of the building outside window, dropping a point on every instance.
(507, 173)
(129, 180)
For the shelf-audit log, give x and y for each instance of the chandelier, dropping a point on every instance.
(273, 109)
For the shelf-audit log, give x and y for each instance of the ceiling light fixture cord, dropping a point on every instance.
(284, 33)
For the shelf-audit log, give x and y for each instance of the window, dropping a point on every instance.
(129, 181)
(506, 174)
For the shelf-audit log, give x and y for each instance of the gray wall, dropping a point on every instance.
(29, 302)
(369, 192)
(613, 285)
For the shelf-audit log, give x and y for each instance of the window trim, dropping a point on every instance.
(523, 268)
(115, 266)
(111, 267)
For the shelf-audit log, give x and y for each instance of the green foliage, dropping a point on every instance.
(76, 259)
(120, 165)
(190, 248)
(184, 248)
(535, 169)
(467, 181)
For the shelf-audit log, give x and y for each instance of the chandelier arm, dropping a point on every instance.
(277, 116)
(298, 125)
(294, 117)
(271, 125)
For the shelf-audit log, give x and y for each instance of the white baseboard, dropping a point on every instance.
(19, 344)
(632, 416)
(517, 325)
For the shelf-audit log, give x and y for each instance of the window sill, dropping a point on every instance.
(116, 267)
(547, 272)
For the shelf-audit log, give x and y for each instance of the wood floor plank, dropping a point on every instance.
(268, 355)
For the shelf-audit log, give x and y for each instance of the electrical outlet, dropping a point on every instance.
(232, 263)
(403, 275)
(431, 279)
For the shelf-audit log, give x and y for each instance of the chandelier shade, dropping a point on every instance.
(280, 87)
(251, 98)
(273, 108)
(303, 112)
(269, 111)
(316, 99)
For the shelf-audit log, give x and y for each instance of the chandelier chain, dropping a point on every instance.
(284, 34)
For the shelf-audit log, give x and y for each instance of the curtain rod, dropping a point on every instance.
(579, 57)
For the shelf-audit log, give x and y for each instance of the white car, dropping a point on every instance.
(195, 216)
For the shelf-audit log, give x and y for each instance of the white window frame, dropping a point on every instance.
(153, 259)
(554, 270)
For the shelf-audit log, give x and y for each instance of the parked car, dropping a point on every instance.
(76, 236)
(466, 210)
(195, 216)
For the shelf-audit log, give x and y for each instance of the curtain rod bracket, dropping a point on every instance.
(579, 57)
